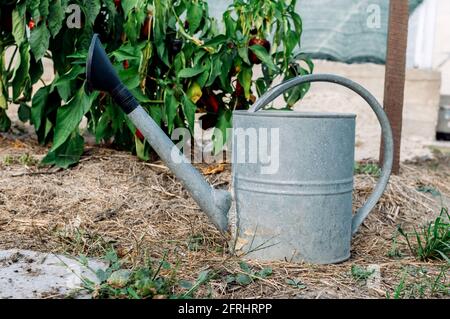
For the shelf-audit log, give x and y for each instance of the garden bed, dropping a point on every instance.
(112, 199)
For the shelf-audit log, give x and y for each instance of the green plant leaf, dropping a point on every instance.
(24, 112)
(230, 24)
(111, 256)
(194, 16)
(92, 8)
(127, 52)
(38, 106)
(140, 97)
(189, 109)
(265, 272)
(5, 122)
(141, 152)
(245, 78)
(21, 72)
(18, 27)
(36, 70)
(243, 53)
(297, 22)
(22, 7)
(216, 70)
(296, 283)
(127, 5)
(155, 113)
(39, 40)
(203, 277)
(101, 275)
(33, 7)
(243, 279)
(69, 116)
(63, 82)
(227, 63)
(291, 39)
(220, 135)
(43, 8)
(55, 17)
(102, 129)
(261, 86)
(264, 56)
(245, 267)
(171, 105)
(161, 9)
(3, 98)
(185, 284)
(204, 76)
(129, 77)
(229, 279)
(163, 52)
(130, 27)
(191, 72)
(67, 154)
(293, 95)
(218, 40)
(180, 62)
(165, 265)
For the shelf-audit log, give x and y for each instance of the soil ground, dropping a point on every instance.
(112, 199)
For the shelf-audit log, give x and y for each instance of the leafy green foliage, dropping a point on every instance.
(171, 54)
(155, 279)
(296, 283)
(248, 275)
(361, 273)
(368, 169)
(420, 282)
(429, 190)
(432, 241)
(24, 159)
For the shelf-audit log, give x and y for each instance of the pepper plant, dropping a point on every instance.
(175, 58)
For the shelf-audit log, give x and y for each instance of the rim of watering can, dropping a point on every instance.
(281, 113)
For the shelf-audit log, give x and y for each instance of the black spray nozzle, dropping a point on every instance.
(101, 76)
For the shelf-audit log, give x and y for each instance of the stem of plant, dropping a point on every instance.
(194, 40)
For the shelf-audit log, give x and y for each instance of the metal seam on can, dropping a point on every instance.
(295, 187)
(295, 183)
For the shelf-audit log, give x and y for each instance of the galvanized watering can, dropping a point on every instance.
(299, 209)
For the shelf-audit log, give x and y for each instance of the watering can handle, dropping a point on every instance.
(388, 142)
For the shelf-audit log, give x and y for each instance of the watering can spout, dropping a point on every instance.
(102, 76)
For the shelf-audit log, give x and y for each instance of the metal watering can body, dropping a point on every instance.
(298, 209)
(302, 209)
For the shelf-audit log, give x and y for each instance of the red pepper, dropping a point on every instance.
(212, 104)
(146, 27)
(31, 24)
(126, 64)
(139, 135)
(256, 41)
(239, 89)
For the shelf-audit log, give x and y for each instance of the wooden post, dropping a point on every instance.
(394, 85)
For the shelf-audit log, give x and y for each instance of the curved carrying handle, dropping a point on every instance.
(382, 118)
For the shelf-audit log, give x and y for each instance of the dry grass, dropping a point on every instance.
(111, 198)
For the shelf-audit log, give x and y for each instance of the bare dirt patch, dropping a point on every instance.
(113, 199)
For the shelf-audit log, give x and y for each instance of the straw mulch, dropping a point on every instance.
(111, 198)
